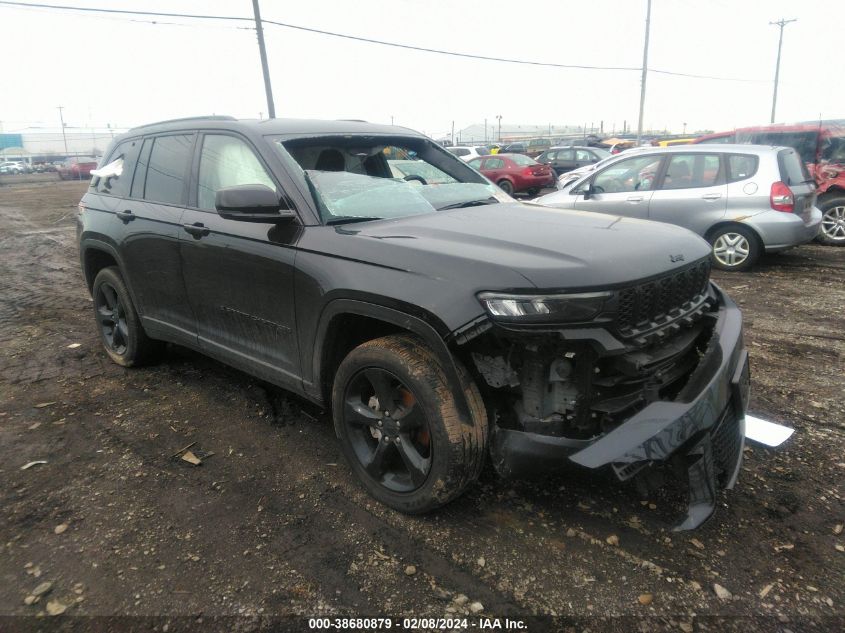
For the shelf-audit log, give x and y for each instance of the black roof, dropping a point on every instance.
(282, 127)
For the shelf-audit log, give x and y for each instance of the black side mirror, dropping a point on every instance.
(252, 203)
(586, 190)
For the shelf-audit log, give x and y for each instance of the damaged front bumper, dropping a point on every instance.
(703, 434)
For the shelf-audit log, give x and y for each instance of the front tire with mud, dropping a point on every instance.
(118, 322)
(399, 428)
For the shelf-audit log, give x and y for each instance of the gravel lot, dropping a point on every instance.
(272, 523)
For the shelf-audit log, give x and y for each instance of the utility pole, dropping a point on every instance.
(499, 116)
(781, 23)
(645, 72)
(485, 131)
(62, 119)
(259, 29)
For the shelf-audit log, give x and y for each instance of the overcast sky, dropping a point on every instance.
(123, 71)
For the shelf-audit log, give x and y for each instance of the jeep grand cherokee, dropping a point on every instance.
(441, 321)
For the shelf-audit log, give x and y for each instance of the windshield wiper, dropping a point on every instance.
(350, 220)
(469, 203)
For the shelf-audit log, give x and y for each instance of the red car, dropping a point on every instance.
(78, 168)
(821, 145)
(515, 172)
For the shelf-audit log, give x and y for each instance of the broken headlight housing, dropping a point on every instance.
(568, 308)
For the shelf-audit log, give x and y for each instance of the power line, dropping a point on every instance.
(367, 40)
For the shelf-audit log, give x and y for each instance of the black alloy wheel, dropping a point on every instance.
(120, 327)
(397, 419)
(389, 433)
(112, 319)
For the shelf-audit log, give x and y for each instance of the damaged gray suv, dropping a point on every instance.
(368, 270)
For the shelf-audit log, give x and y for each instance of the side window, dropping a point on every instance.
(227, 161)
(583, 155)
(566, 154)
(119, 167)
(632, 174)
(168, 164)
(741, 166)
(494, 163)
(686, 171)
(476, 163)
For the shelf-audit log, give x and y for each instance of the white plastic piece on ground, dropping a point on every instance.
(766, 432)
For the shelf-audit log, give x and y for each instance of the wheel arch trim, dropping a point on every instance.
(413, 324)
(88, 244)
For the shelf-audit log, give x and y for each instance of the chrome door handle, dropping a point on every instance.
(635, 199)
(711, 196)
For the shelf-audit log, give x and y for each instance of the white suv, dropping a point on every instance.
(468, 152)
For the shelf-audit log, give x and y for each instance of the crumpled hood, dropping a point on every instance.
(545, 247)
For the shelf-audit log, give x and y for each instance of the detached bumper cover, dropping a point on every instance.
(707, 431)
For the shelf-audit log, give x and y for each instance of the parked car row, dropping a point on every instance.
(76, 168)
(821, 145)
(10, 167)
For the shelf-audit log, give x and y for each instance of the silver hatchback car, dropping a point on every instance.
(743, 199)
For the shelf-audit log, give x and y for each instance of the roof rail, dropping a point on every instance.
(216, 117)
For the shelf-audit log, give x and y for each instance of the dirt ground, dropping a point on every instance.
(272, 524)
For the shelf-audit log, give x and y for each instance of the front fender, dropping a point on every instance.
(395, 317)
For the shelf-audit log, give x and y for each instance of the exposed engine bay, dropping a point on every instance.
(574, 389)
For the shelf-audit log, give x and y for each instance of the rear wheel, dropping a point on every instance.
(506, 186)
(735, 248)
(120, 328)
(832, 231)
(398, 425)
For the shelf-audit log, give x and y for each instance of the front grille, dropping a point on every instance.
(727, 444)
(660, 299)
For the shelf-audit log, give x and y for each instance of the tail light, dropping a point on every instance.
(781, 197)
(535, 170)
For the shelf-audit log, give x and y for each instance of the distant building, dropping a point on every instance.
(42, 144)
(477, 133)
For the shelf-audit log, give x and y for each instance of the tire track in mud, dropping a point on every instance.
(322, 539)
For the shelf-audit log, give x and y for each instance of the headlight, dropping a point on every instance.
(548, 308)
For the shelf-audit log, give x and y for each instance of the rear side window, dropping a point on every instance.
(459, 151)
(805, 143)
(792, 170)
(741, 166)
(687, 171)
(833, 149)
(494, 163)
(476, 162)
(167, 168)
(523, 161)
(121, 165)
(482, 151)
